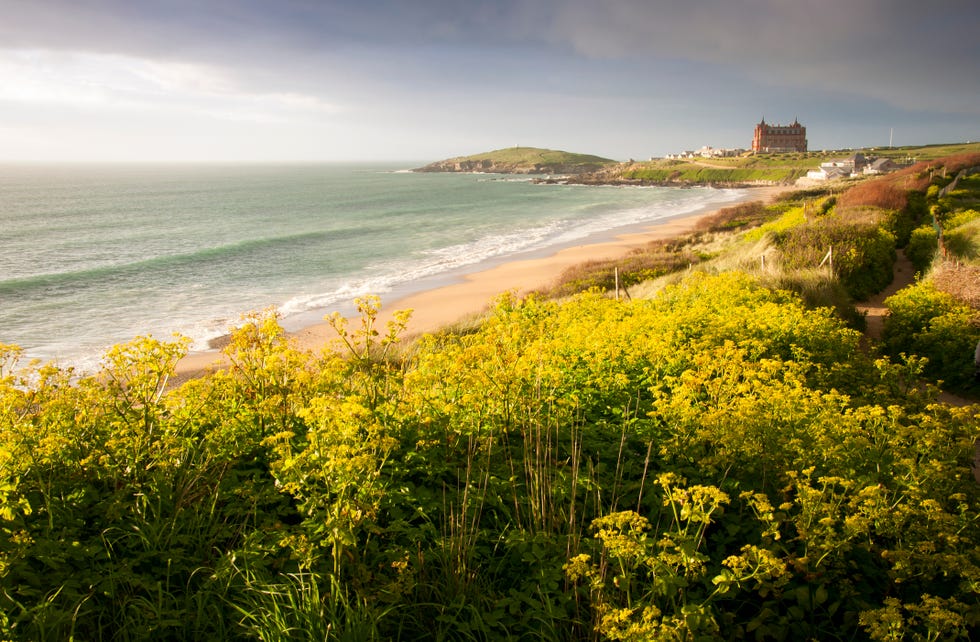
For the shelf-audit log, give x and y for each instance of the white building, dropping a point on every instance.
(841, 168)
(881, 166)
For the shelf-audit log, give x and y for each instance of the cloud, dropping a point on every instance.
(123, 83)
(434, 72)
(904, 53)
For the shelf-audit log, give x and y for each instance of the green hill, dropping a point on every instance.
(522, 160)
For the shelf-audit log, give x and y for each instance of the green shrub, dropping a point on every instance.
(922, 247)
(714, 460)
(817, 289)
(900, 223)
(863, 254)
(962, 235)
(930, 323)
(790, 218)
(737, 217)
(962, 217)
(917, 207)
(827, 206)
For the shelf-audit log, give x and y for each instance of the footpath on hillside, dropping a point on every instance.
(874, 312)
(874, 309)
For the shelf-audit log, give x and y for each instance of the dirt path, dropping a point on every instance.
(874, 308)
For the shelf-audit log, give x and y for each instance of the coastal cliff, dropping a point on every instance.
(521, 160)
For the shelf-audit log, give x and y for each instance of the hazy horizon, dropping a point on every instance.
(393, 164)
(221, 81)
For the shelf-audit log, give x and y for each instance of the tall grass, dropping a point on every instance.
(305, 606)
(961, 281)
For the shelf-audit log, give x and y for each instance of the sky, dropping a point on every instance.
(422, 80)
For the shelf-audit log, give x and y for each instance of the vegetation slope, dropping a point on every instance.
(751, 168)
(713, 453)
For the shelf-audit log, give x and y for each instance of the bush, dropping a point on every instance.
(918, 207)
(863, 254)
(817, 289)
(962, 217)
(930, 323)
(900, 223)
(922, 247)
(963, 242)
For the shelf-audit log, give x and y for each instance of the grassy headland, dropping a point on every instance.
(716, 453)
(521, 160)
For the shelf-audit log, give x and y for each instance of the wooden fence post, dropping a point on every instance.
(828, 258)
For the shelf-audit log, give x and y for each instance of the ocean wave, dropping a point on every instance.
(385, 277)
(114, 273)
(390, 275)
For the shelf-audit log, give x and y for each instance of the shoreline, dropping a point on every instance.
(475, 291)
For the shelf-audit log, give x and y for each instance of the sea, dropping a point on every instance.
(95, 255)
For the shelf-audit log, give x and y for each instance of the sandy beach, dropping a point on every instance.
(437, 308)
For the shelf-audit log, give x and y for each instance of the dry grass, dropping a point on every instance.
(862, 214)
(736, 218)
(957, 162)
(891, 191)
(650, 289)
(653, 260)
(963, 243)
(712, 235)
(748, 257)
(961, 281)
(818, 288)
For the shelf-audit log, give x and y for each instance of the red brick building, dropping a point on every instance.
(779, 138)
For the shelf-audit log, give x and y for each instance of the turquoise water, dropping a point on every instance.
(94, 255)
